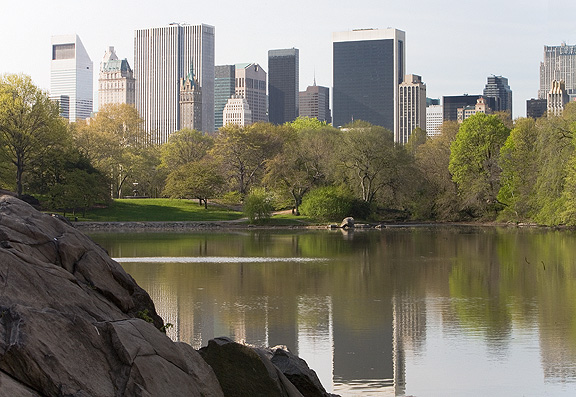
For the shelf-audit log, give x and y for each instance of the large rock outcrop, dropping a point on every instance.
(69, 319)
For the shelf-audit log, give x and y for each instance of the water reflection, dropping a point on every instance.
(424, 311)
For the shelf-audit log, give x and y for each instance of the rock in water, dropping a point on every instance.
(69, 319)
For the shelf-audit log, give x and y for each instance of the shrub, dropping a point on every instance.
(327, 204)
(258, 206)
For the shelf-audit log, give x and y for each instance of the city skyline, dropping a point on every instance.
(438, 45)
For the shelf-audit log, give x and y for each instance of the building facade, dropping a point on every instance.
(250, 83)
(434, 119)
(557, 98)
(315, 103)
(224, 89)
(71, 77)
(559, 64)
(162, 56)
(536, 108)
(469, 111)
(116, 83)
(497, 87)
(283, 85)
(368, 68)
(237, 111)
(412, 107)
(190, 102)
(451, 104)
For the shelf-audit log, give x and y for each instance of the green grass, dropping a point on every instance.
(168, 210)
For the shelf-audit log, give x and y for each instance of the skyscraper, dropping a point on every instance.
(451, 104)
(190, 102)
(224, 89)
(497, 87)
(71, 76)
(315, 103)
(433, 120)
(162, 56)
(559, 64)
(116, 83)
(557, 98)
(412, 102)
(283, 85)
(251, 85)
(237, 111)
(368, 69)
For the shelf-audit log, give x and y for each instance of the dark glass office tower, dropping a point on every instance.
(283, 76)
(368, 69)
(497, 87)
(224, 86)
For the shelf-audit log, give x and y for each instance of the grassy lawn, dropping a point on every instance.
(169, 210)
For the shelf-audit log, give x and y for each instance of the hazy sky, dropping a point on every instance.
(453, 45)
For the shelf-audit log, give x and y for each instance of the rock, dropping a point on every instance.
(347, 223)
(69, 319)
(245, 371)
(298, 373)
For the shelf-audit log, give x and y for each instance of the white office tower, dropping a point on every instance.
(71, 74)
(237, 111)
(162, 56)
(434, 119)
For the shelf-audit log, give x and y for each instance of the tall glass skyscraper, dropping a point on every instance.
(283, 85)
(71, 74)
(224, 86)
(368, 67)
(559, 64)
(162, 56)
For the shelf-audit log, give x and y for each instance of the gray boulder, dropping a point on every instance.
(347, 222)
(70, 319)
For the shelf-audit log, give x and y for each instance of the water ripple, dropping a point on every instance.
(212, 259)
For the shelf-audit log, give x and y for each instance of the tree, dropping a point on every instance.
(258, 205)
(369, 154)
(520, 169)
(115, 143)
(185, 146)
(200, 179)
(474, 161)
(244, 151)
(307, 123)
(30, 124)
(303, 163)
(328, 203)
(417, 137)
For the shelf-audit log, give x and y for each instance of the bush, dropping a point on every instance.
(258, 206)
(327, 204)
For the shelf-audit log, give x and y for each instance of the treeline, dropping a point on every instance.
(485, 168)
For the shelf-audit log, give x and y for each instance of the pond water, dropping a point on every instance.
(422, 311)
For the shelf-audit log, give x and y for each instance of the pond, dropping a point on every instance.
(420, 311)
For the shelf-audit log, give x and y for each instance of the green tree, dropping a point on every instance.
(307, 123)
(417, 137)
(200, 179)
(474, 161)
(183, 147)
(520, 169)
(258, 205)
(116, 143)
(30, 125)
(328, 203)
(244, 151)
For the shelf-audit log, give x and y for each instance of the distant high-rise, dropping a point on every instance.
(434, 120)
(283, 85)
(237, 111)
(557, 98)
(559, 64)
(251, 85)
(71, 76)
(536, 108)
(162, 56)
(412, 104)
(116, 83)
(451, 104)
(315, 103)
(190, 102)
(224, 89)
(368, 67)
(497, 87)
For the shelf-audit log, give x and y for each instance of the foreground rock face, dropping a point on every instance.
(69, 321)
(72, 324)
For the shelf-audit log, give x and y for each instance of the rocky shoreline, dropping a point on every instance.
(74, 323)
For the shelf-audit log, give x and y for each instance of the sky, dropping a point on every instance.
(453, 45)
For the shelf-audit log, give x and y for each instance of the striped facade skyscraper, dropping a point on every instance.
(162, 56)
(559, 65)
